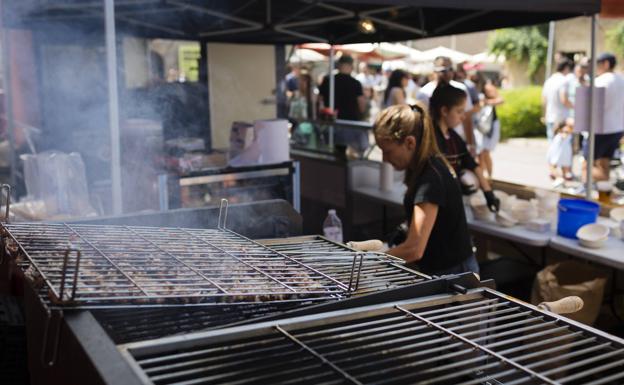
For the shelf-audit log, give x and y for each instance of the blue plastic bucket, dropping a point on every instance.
(575, 213)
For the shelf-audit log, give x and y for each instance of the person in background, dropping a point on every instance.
(349, 103)
(488, 131)
(461, 76)
(580, 79)
(395, 91)
(447, 109)
(349, 98)
(365, 76)
(552, 106)
(559, 153)
(437, 238)
(411, 91)
(292, 79)
(443, 74)
(303, 101)
(613, 122)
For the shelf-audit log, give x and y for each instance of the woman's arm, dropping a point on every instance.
(413, 248)
(492, 97)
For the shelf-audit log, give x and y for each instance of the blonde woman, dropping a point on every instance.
(437, 238)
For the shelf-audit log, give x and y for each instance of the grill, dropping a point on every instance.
(94, 266)
(378, 272)
(481, 337)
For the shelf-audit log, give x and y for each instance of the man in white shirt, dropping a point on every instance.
(613, 123)
(555, 111)
(443, 71)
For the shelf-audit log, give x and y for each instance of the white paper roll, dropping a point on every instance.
(272, 138)
(386, 176)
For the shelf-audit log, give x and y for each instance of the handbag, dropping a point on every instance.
(485, 122)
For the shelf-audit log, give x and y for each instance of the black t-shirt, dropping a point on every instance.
(455, 150)
(449, 242)
(347, 90)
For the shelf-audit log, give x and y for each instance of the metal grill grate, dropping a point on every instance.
(379, 272)
(478, 338)
(94, 266)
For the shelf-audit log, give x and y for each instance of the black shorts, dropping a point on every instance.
(604, 145)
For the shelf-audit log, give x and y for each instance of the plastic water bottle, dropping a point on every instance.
(332, 227)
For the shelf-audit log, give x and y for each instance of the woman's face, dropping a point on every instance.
(404, 81)
(398, 154)
(455, 115)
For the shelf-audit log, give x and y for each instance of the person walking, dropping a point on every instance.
(395, 91)
(488, 132)
(613, 122)
(554, 110)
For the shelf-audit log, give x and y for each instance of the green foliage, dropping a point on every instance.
(615, 38)
(520, 114)
(524, 44)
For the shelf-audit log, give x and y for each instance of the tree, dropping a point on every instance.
(524, 44)
(615, 38)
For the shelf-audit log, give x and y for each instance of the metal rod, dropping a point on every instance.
(344, 374)
(584, 362)
(332, 82)
(590, 113)
(567, 356)
(553, 340)
(113, 104)
(223, 209)
(56, 338)
(7, 188)
(541, 353)
(608, 379)
(551, 46)
(477, 346)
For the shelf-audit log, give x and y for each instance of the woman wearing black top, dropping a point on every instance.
(446, 106)
(437, 238)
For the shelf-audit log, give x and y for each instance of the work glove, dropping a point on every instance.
(493, 203)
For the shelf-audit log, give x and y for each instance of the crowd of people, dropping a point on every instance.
(361, 96)
(559, 103)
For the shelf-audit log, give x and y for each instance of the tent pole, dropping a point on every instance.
(592, 128)
(113, 104)
(332, 95)
(331, 77)
(551, 46)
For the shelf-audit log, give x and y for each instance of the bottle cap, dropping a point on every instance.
(332, 211)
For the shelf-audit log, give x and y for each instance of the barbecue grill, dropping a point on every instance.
(480, 337)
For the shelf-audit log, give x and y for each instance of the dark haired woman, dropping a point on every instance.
(437, 237)
(446, 106)
(395, 92)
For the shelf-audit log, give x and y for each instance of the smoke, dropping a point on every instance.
(59, 70)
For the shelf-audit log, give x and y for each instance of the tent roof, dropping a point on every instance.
(295, 21)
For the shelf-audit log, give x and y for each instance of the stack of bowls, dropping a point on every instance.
(617, 214)
(546, 202)
(479, 208)
(523, 211)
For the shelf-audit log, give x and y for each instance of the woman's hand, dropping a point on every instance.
(423, 219)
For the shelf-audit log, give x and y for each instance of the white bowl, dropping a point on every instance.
(523, 211)
(539, 225)
(504, 219)
(482, 213)
(614, 226)
(593, 235)
(617, 214)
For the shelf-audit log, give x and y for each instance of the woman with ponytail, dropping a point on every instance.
(437, 238)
